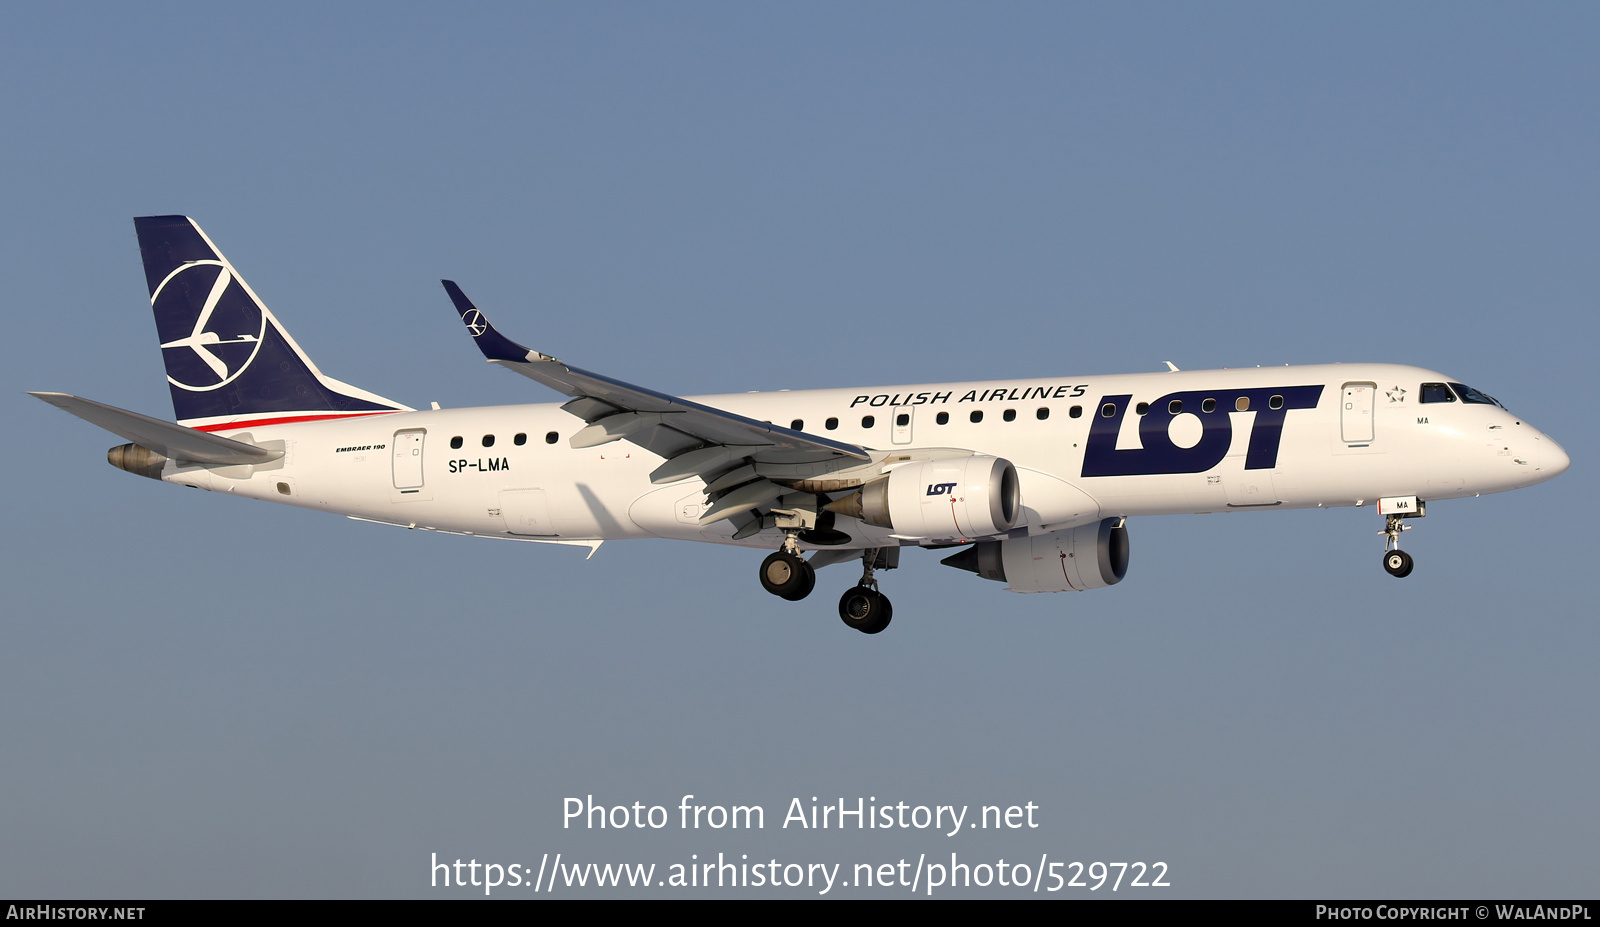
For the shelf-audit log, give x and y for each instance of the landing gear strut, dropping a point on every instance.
(864, 607)
(1395, 511)
(786, 574)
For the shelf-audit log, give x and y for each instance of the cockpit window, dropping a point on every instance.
(1437, 392)
(1468, 394)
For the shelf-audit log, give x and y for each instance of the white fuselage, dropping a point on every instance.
(1366, 436)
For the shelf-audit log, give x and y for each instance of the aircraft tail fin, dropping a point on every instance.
(229, 361)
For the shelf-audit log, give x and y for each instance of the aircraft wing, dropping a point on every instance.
(175, 441)
(696, 439)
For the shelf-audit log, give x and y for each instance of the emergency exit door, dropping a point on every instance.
(1355, 412)
(408, 460)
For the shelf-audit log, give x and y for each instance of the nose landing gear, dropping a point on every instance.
(1395, 510)
(1398, 562)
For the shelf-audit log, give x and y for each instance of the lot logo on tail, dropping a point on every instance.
(209, 326)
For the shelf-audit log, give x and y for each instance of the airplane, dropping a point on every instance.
(1032, 479)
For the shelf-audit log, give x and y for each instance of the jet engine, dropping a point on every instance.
(136, 458)
(948, 497)
(1085, 557)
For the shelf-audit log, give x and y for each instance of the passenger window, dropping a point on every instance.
(1042, 414)
(520, 439)
(1010, 415)
(1242, 404)
(550, 438)
(455, 443)
(1075, 412)
(867, 421)
(942, 418)
(1141, 408)
(1210, 405)
(1174, 407)
(798, 424)
(1108, 410)
(831, 424)
(488, 440)
(1437, 392)
(902, 420)
(1275, 403)
(976, 416)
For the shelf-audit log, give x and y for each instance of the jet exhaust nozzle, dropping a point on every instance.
(136, 458)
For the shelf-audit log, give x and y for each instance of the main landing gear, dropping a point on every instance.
(864, 607)
(786, 574)
(1395, 511)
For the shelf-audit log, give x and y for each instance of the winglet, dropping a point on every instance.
(495, 346)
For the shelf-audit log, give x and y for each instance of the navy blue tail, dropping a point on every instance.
(227, 357)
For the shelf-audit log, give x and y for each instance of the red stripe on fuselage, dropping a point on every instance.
(252, 423)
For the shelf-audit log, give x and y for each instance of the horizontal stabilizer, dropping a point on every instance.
(175, 441)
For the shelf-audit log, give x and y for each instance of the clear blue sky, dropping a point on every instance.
(206, 697)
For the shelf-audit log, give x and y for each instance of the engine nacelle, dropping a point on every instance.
(950, 497)
(1085, 557)
(136, 458)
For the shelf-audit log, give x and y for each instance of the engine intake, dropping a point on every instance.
(949, 497)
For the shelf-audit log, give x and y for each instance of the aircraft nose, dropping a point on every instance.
(1553, 459)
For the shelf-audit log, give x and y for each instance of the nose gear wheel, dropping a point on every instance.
(1397, 562)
